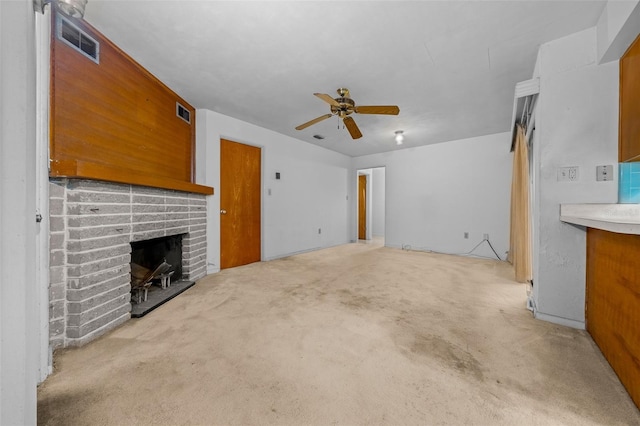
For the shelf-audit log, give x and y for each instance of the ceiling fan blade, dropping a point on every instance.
(312, 122)
(378, 109)
(328, 99)
(352, 128)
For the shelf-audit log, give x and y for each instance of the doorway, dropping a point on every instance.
(362, 207)
(240, 204)
(371, 205)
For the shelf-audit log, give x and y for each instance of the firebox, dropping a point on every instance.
(150, 254)
(156, 273)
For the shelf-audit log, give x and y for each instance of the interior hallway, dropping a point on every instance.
(356, 334)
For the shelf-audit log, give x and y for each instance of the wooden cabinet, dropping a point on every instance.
(613, 302)
(629, 125)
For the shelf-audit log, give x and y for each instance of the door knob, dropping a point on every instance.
(222, 211)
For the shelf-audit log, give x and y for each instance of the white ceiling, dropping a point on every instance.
(451, 66)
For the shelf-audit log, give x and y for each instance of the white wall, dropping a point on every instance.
(617, 28)
(435, 193)
(576, 125)
(311, 194)
(378, 202)
(19, 296)
(43, 73)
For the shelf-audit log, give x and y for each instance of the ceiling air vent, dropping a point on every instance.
(77, 39)
(183, 113)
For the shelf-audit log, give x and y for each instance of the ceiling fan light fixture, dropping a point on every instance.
(72, 8)
(399, 137)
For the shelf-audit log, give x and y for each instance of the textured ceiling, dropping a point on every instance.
(451, 66)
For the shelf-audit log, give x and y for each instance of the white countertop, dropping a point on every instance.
(620, 218)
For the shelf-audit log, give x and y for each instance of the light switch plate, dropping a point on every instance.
(604, 173)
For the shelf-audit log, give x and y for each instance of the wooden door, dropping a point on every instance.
(239, 204)
(362, 207)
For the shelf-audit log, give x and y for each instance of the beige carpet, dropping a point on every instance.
(357, 334)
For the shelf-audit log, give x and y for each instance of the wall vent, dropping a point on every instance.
(77, 39)
(183, 113)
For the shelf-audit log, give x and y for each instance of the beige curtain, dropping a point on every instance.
(520, 239)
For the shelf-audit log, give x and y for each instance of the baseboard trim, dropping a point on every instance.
(280, 256)
(580, 325)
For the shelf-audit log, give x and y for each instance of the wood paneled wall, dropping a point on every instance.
(613, 302)
(115, 121)
(629, 126)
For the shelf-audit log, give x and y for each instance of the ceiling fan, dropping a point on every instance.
(343, 106)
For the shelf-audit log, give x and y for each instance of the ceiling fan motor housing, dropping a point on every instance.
(346, 107)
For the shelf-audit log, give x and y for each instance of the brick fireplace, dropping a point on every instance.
(92, 224)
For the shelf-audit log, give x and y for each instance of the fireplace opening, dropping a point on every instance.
(151, 253)
(156, 273)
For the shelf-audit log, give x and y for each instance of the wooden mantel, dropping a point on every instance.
(86, 170)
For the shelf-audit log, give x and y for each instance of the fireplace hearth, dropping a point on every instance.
(158, 296)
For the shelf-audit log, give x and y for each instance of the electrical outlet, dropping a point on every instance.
(319, 230)
(568, 174)
(466, 235)
(573, 173)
